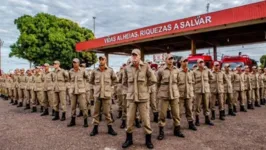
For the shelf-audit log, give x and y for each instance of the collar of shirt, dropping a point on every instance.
(166, 67)
(99, 68)
(184, 69)
(140, 64)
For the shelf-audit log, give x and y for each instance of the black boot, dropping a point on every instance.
(85, 123)
(234, 109)
(72, 122)
(177, 132)
(94, 131)
(148, 141)
(137, 124)
(261, 102)
(191, 126)
(92, 103)
(53, 112)
(155, 117)
(208, 121)
(213, 115)
(161, 134)
(34, 109)
(80, 113)
(41, 109)
(129, 141)
(221, 115)
(11, 101)
(15, 103)
(197, 123)
(231, 112)
(249, 106)
(27, 107)
(63, 118)
(252, 106)
(119, 114)
(168, 115)
(89, 113)
(20, 104)
(56, 116)
(257, 104)
(45, 112)
(242, 108)
(123, 125)
(111, 131)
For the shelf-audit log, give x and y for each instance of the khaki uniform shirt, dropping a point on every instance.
(228, 87)
(60, 80)
(137, 80)
(103, 82)
(238, 82)
(202, 79)
(185, 84)
(78, 80)
(48, 78)
(218, 81)
(168, 83)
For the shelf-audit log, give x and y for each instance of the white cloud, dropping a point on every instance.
(113, 16)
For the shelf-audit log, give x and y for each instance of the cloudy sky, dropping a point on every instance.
(112, 16)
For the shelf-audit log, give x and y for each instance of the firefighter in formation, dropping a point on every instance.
(166, 92)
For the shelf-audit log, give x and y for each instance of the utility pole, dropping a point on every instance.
(94, 31)
(208, 7)
(1, 44)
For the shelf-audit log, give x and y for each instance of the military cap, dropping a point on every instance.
(136, 51)
(76, 60)
(200, 60)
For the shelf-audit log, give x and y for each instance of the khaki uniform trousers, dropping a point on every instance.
(60, 97)
(242, 96)
(48, 99)
(21, 95)
(248, 95)
(81, 100)
(143, 108)
(105, 106)
(214, 97)
(185, 104)
(37, 96)
(120, 102)
(174, 105)
(229, 97)
(16, 94)
(261, 93)
(202, 98)
(255, 95)
(88, 99)
(153, 103)
(28, 96)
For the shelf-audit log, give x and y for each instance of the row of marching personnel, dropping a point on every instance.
(139, 89)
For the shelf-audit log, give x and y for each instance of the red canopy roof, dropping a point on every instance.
(239, 16)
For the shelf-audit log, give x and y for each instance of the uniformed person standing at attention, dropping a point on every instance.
(48, 78)
(60, 83)
(238, 82)
(228, 90)
(264, 80)
(217, 90)
(38, 89)
(29, 81)
(16, 86)
(22, 83)
(202, 76)
(168, 95)
(185, 86)
(137, 77)
(248, 88)
(102, 79)
(78, 77)
(261, 85)
(255, 86)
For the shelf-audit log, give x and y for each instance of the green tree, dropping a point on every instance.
(45, 38)
(263, 61)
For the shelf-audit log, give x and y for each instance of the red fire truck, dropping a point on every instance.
(238, 60)
(192, 60)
